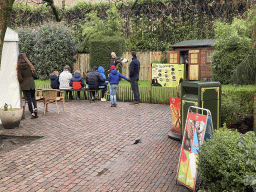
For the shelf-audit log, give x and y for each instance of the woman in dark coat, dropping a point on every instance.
(26, 75)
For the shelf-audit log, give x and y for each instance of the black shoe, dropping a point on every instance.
(112, 105)
(34, 116)
(115, 105)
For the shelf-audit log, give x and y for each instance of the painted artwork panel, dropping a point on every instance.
(192, 138)
(175, 104)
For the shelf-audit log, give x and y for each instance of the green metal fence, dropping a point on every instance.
(159, 95)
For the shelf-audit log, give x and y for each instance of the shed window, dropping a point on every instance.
(173, 58)
(209, 56)
(194, 57)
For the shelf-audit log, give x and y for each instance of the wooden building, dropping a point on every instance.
(196, 55)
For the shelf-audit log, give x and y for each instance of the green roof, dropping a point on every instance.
(195, 43)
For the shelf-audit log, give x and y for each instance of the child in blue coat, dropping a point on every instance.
(101, 70)
(114, 81)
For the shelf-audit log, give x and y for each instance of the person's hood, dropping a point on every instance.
(53, 77)
(77, 75)
(24, 65)
(114, 72)
(101, 69)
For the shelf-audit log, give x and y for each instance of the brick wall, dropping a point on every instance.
(204, 66)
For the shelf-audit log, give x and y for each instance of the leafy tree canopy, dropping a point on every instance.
(97, 27)
(233, 44)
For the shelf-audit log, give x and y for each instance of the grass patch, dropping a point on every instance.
(40, 83)
(238, 88)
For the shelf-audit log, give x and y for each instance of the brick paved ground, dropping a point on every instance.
(90, 148)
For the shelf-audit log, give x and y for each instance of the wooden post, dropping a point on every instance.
(150, 95)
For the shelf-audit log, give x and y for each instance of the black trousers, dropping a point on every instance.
(30, 96)
(135, 88)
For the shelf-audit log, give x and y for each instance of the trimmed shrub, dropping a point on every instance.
(101, 48)
(26, 42)
(54, 48)
(222, 163)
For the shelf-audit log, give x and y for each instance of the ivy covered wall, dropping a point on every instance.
(149, 25)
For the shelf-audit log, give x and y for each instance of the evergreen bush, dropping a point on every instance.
(222, 163)
(232, 46)
(26, 42)
(54, 48)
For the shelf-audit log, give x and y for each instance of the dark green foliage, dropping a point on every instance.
(26, 42)
(95, 27)
(236, 104)
(101, 48)
(26, 15)
(232, 46)
(150, 25)
(222, 163)
(248, 145)
(245, 72)
(54, 48)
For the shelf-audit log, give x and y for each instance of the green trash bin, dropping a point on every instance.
(204, 94)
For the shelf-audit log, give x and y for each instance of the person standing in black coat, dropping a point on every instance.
(134, 71)
(26, 75)
(93, 79)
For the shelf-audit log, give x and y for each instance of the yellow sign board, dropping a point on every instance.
(168, 75)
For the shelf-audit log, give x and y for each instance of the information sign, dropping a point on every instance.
(168, 75)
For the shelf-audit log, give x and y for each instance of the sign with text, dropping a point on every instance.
(168, 75)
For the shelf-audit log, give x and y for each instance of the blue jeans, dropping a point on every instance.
(135, 88)
(113, 90)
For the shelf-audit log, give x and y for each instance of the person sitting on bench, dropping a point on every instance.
(93, 79)
(77, 82)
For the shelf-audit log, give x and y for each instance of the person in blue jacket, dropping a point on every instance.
(77, 82)
(114, 81)
(101, 70)
(55, 84)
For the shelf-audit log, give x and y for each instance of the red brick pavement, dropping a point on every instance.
(90, 148)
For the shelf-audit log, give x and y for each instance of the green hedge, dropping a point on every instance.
(101, 48)
(236, 104)
(26, 42)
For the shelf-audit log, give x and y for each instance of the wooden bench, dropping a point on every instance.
(84, 89)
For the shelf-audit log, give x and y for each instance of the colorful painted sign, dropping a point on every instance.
(176, 119)
(192, 138)
(168, 75)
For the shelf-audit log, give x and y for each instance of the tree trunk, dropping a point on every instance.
(5, 14)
